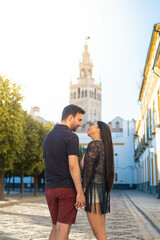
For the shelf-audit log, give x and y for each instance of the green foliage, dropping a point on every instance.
(21, 137)
(11, 126)
(81, 152)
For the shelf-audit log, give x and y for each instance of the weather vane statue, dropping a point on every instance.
(87, 38)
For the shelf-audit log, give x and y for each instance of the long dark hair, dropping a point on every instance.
(105, 134)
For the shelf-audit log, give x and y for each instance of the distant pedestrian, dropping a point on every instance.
(98, 177)
(63, 189)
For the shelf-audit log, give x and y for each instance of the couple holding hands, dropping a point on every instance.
(63, 190)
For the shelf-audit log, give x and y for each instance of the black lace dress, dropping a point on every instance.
(94, 178)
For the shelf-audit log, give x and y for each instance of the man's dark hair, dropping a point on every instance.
(71, 110)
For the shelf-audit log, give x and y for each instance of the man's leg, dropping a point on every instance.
(62, 231)
(52, 202)
(52, 235)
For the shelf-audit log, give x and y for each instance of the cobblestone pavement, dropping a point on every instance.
(30, 220)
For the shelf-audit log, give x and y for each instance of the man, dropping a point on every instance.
(63, 188)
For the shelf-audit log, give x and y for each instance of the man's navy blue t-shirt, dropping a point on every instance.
(58, 145)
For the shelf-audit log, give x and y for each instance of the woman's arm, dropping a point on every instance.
(82, 161)
(89, 164)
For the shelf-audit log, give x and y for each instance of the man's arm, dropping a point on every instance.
(76, 176)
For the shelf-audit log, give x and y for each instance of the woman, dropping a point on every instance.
(98, 177)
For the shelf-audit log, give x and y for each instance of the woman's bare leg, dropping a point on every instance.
(97, 222)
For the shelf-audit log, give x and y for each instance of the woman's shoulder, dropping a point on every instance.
(95, 143)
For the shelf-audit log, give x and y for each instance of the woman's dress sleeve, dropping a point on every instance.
(90, 162)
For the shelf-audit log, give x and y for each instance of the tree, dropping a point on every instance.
(11, 130)
(27, 157)
(39, 165)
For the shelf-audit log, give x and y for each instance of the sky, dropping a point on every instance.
(42, 41)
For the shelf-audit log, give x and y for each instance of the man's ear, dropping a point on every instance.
(70, 117)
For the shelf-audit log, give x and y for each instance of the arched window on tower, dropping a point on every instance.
(85, 93)
(95, 93)
(83, 73)
(74, 95)
(79, 92)
(95, 115)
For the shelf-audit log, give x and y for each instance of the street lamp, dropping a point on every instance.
(116, 154)
(116, 167)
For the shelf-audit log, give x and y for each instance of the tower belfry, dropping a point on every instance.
(86, 93)
(86, 65)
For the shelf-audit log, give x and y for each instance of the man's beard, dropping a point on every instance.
(73, 129)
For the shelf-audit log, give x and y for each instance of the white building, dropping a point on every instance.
(35, 113)
(123, 143)
(147, 138)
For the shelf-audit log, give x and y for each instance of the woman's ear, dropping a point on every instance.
(98, 131)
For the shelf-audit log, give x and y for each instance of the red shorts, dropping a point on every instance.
(61, 204)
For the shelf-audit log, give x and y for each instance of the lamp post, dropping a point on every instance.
(116, 154)
(116, 167)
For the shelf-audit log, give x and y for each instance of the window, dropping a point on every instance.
(79, 92)
(159, 104)
(117, 124)
(154, 116)
(85, 93)
(116, 177)
(156, 166)
(95, 93)
(148, 168)
(152, 170)
(150, 120)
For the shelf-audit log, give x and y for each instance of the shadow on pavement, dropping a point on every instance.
(4, 236)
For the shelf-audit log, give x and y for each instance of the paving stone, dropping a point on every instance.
(29, 219)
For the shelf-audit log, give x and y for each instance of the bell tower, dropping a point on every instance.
(86, 93)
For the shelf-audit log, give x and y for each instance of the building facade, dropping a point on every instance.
(123, 144)
(86, 93)
(147, 134)
(35, 113)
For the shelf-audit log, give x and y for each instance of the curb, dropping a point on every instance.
(149, 216)
(12, 201)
